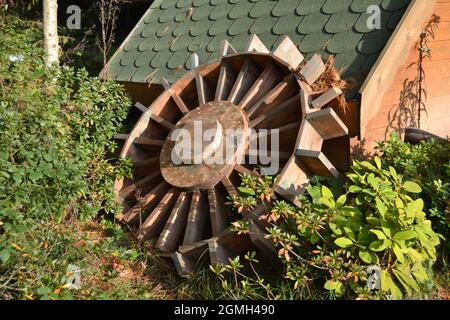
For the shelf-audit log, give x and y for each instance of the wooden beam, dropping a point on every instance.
(393, 56)
(293, 180)
(229, 186)
(244, 81)
(202, 89)
(308, 138)
(175, 97)
(226, 48)
(121, 136)
(243, 170)
(154, 223)
(313, 69)
(227, 77)
(138, 213)
(125, 192)
(257, 236)
(196, 219)
(145, 141)
(287, 51)
(275, 113)
(175, 225)
(187, 260)
(216, 211)
(327, 123)
(264, 84)
(161, 121)
(140, 106)
(326, 98)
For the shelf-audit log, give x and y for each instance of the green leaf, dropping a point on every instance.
(326, 193)
(365, 256)
(247, 191)
(378, 162)
(378, 245)
(388, 285)
(314, 238)
(354, 189)
(398, 253)
(340, 202)
(405, 235)
(412, 187)
(5, 255)
(382, 209)
(380, 234)
(343, 242)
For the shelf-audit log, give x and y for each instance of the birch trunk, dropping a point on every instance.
(51, 31)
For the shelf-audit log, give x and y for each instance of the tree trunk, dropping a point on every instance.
(51, 31)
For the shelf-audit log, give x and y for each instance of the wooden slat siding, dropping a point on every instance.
(435, 83)
(216, 211)
(125, 192)
(317, 162)
(313, 69)
(286, 50)
(265, 82)
(227, 77)
(247, 75)
(146, 204)
(175, 225)
(327, 124)
(196, 219)
(391, 59)
(154, 223)
(274, 97)
(326, 98)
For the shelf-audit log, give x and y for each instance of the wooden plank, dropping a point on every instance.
(163, 122)
(175, 225)
(226, 48)
(150, 142)
(327, 123)
(317, 162)
(229, 186)
(255, 44)
(308, 138)
(187, 260)
(175, 97)
(305, 98)
(216, 211)
(227, 77)
(257, 236)
(202, 89)
(227, 245)
(196, 219)
(279, 114)
(287, 51)
(139, 212)
(274, 96)
(244, 81)
(145, 167)
(125, 192)
(154, 223)
(121, 136)
(326, 98)
(243, 170)
(282, 129)
(313, 69)
(393, 56)
(293, 180)
(264, 84)
(195, 61)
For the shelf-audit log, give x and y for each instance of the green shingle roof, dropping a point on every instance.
(171, 30)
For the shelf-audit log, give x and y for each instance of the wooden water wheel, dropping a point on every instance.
(180, 208)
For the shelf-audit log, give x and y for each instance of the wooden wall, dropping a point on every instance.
(399, 107)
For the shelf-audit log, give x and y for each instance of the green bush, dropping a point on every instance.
(427, 163)
(57, 127)
(329, 242)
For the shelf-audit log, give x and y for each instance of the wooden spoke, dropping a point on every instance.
(175, 97)
(313, 69)
(150, 142)
(270, 154)
(257, 236)
(281, 130)
(286, 50)
(293, 180)
(202, 89)
(196, 221)
(154, 223)
(229, 186)
(139, 212)
(227, 77)
(265, 82)
(227, 245)
(175, 225)
(326, 98)
(125, 192)
(280, 114)
(146, 162)
(163, 122)
(244, 81)
(243, 170)
(255, 44)
(121, 136)
(285, 89)
(216, 211)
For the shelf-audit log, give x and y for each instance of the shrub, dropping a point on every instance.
(330, 241)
